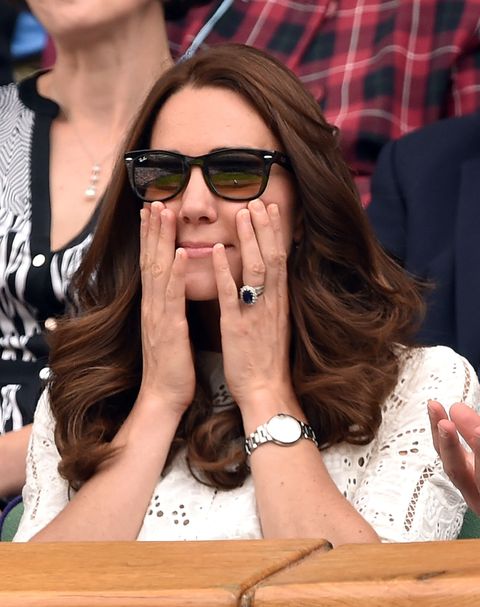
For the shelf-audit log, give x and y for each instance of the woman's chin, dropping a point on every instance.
(201, 292)
(202, 286)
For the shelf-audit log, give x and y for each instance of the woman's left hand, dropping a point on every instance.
(256, 338)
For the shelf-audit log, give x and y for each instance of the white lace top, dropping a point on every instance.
(396, 482)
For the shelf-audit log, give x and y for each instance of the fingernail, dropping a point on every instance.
(443, 433)
(244, 215)
(256, 205)
(273, 209)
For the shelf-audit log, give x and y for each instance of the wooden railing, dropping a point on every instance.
(292, 573)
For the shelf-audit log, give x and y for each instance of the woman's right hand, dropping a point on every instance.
(168, 370)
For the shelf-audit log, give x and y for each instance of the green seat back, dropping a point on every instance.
(11, 522)
(471, 526)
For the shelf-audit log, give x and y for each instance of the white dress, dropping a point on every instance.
(396, 482)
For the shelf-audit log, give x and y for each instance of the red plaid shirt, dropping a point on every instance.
(378, 69)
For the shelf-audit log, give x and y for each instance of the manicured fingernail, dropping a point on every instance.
(244, 215)
(273, 210)
(218, 246)
(443, 433)
(255, 205)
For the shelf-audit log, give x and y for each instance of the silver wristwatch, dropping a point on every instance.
(281, 429)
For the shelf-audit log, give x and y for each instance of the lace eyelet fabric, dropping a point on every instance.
(396, 482)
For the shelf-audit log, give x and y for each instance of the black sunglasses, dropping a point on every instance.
(237, 174)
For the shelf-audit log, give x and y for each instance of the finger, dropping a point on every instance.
(466, 420)
(253, 267)
(435, 414)
(151, 234)
(266, 237)
(175, 291)
(145, 216)
(281, 260)
(165, 251)
(226, 287)
(144, 220)
(457, 463)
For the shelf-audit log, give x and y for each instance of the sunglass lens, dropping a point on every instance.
(236, 175)
(158, 176)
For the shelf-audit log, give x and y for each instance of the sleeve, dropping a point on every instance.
(387, 211)
(405, 494)
(45, 493)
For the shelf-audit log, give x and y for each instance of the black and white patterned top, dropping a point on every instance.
(33, 278)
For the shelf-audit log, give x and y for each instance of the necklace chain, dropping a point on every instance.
(91, 191)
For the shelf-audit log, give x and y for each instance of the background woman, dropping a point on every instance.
(189, 412)
(60, 133)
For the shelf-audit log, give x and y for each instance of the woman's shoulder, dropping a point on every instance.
(9, 97)
(432, 357)
(426, 373)
(43, 413)
(16, 117)
(436, 372)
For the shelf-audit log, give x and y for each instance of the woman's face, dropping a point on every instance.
(196, 121)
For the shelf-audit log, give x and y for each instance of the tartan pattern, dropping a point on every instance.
(378, 69)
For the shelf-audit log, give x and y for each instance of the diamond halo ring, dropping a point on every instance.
(249, 295)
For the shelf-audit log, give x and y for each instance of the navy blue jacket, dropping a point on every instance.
(426, 212)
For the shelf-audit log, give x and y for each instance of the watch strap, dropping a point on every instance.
(261, 436)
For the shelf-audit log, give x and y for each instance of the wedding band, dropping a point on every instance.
(249, 295)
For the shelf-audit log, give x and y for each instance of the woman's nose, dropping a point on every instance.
(198, 203)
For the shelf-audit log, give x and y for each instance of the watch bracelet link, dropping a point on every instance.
(260, 436)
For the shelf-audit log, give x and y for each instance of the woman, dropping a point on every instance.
(60, 132)
(239, 328)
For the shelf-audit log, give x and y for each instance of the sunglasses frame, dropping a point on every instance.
(269, 158)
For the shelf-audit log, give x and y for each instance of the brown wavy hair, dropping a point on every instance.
(350, 304)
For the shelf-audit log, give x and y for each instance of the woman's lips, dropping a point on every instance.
(197, 250)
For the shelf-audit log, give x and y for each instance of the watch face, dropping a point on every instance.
(284, 429)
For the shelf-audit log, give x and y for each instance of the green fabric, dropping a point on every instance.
(471, 527)
(11, 522)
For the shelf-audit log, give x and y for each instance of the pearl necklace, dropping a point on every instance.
(91, 191)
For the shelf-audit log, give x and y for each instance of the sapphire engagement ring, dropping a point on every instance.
(249, 295)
